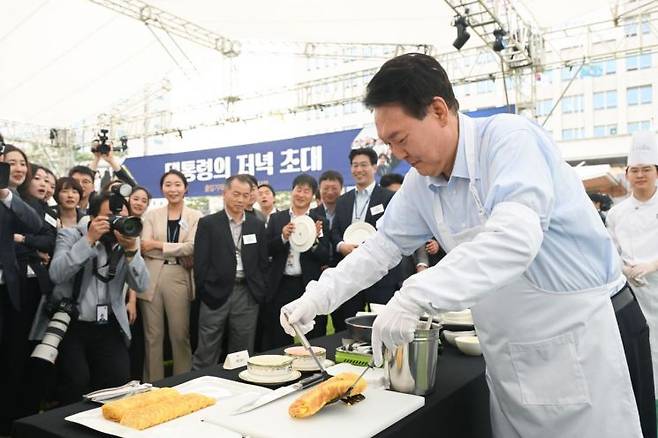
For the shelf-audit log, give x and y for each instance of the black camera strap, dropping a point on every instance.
(113, 261)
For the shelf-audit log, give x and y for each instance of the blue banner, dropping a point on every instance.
(273, 162)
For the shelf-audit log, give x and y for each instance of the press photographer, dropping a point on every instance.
(90, 266)
(103, 149)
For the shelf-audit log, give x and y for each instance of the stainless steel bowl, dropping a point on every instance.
(360, 327)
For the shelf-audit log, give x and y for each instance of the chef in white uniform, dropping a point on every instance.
(527, 253)
(633, 224)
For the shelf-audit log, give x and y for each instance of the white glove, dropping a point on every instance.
(302, 312)
(394, 326)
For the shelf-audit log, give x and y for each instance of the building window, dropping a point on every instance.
(638, 62)
(484, 87)
(605, 130)
(544, 107)
(572, 104)
(639, 95)
(631, 28)
(566, 73)
(605, 100)
(643, 125)
(573, 133)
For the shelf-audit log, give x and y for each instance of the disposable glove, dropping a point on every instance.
(394, 326)
(302, 312)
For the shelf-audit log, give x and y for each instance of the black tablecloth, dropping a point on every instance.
(459, 406)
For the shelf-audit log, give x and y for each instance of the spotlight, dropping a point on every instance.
(499, 45)
(462, 35)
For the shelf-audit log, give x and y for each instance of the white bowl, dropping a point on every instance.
(270, 366)
(302, 359)
(469, 345)
(450, 335)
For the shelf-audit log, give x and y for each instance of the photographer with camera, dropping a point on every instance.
(89, 268)
(103, 149)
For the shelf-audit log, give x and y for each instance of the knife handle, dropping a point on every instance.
(310, 380)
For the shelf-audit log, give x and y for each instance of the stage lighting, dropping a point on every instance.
(499, 45)
(462, 35)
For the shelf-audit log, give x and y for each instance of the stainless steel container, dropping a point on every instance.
(411, 368)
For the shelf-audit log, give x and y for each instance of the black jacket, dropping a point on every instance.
(343, 219)
(311, 260)
(43, 240)
(20, 217)
(214, 259)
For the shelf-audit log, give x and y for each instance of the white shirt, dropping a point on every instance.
(633, 225)
(293, 265)
(361, 201)
(521, 180)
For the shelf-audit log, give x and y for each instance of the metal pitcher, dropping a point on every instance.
(411, 368)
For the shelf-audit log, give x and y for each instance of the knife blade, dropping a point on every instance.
(279, 393)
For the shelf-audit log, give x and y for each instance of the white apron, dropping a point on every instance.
(555, 361)
(647, 296)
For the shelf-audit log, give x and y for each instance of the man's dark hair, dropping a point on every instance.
(178, 173)
(331, 175)
(67, 182)
(369, 152)
(305, 180)
(390, 178)
(241, 177)
(412, 81)
(253, 181)
(96, 202)
(271, 189)
(84, 170)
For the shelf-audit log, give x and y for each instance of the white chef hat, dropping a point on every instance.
(644, 149)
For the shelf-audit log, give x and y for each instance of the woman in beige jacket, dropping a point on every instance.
(167, 247)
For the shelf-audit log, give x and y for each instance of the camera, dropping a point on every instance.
(62, 313)
(104, 148)
(129, 226)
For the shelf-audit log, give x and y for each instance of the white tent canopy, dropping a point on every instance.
(65, 60)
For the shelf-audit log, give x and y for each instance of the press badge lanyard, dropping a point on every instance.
(357, 217)
(102, 307)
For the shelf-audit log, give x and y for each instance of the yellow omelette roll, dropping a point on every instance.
(315, 399)
(117, 409)
(165, 410)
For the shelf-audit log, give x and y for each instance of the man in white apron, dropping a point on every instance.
(526, 252)
(633, 224)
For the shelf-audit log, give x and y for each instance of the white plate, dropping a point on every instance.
(303, 236)
(232, 394)
(327, 363)
(358, 232)
(247, 376)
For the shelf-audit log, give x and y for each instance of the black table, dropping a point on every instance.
(458, 407)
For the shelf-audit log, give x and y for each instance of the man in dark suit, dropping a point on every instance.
(290, 270)
(331, 186)
(230, 261)
(365, 203)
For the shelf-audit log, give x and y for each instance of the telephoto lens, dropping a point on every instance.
(48, 347)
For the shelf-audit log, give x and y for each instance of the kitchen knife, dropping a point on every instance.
(278, 393)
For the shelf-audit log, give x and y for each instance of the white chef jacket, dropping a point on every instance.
(633, 225)
(521, 180)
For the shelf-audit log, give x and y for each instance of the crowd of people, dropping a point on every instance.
(208, 285)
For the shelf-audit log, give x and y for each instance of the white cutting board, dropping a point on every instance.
(379, 410)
